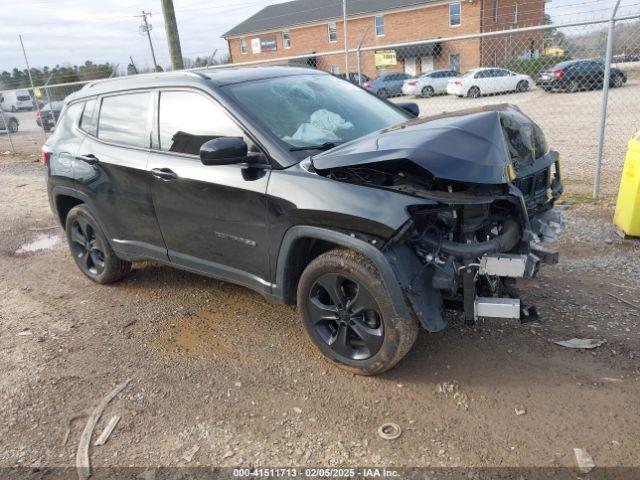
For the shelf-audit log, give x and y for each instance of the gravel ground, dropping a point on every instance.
(216, 366)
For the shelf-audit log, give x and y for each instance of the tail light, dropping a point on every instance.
(558, 74)
(367, 85)
(45, 157)
(458, 82)
(38, 114)
(412, 84)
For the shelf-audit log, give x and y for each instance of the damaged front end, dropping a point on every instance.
(491, 183)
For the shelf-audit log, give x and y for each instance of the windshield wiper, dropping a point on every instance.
(323, 147)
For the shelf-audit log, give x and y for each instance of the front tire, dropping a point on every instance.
(522, 86)
(348, 315)
(13, 126)
(91, 250)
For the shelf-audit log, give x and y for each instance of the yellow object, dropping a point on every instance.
(554, 52)
(627, 216)
(385, 58)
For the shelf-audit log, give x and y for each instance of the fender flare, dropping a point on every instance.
(378, 258)
(70, 192)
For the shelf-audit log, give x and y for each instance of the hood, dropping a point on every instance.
(471, 146)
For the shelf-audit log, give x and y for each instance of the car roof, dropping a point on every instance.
(216, 77)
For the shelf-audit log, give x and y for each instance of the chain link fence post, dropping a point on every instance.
(605, 99)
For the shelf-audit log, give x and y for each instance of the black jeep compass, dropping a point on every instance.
(311, 191)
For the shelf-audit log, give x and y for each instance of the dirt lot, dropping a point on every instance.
(216, 366)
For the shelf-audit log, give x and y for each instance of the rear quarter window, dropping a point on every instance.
(69, 118)
(89, 119)
(124, 120)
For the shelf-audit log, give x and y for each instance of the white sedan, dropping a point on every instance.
(485, 81)
(429, 83)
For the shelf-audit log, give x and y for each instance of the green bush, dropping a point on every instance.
(533, 66)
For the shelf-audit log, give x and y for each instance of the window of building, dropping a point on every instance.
(124, 119)
(333, 32)
(286, 39)
(335, 69)
(243, 46)
(187, 120)
(454, 61)
(379, 24)
(455, 16)
(89, 119)
(495, 11)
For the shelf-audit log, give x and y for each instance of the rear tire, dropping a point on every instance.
(382, 93)
(90, 248)
(13, 126)
(427, 92)
(474, 92)
(617, 82)
(348, 315)
(573, 86)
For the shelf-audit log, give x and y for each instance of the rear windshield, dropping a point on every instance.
(24, 98)
(563, 65)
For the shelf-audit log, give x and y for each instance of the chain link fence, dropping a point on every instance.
(556, 74)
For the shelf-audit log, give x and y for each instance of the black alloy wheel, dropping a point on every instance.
(346, 316)
(90, 248)
(348, 313)
(87, 248)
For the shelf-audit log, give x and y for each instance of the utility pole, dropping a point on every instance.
(146, 28)
(346, 46)
(171, 27)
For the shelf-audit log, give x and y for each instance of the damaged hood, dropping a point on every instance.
(472, 146)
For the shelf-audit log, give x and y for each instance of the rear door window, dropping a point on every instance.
(187, 120)
(124, 119)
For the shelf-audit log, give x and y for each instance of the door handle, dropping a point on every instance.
(164, 173)
(90, 159)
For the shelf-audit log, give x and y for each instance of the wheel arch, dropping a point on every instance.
(301, 244)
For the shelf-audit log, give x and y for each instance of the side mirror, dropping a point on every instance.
(409, 107)
(224, 151)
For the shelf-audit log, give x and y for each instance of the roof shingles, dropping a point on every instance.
(297, 12)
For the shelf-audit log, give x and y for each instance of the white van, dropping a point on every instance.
(14, 100)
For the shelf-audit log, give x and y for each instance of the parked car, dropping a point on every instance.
(16, 100)
(355, 78)
(486, 81)
(575, 75)
(387, 85)
(48, 115)
(429, 83)
(9, 122)
(310, 191)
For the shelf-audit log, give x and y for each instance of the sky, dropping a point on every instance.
(68, 32)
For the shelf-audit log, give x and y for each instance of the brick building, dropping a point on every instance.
(310, 27)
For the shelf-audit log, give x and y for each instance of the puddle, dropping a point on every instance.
(42, 242)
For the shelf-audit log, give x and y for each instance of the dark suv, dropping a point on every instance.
(311, 191)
